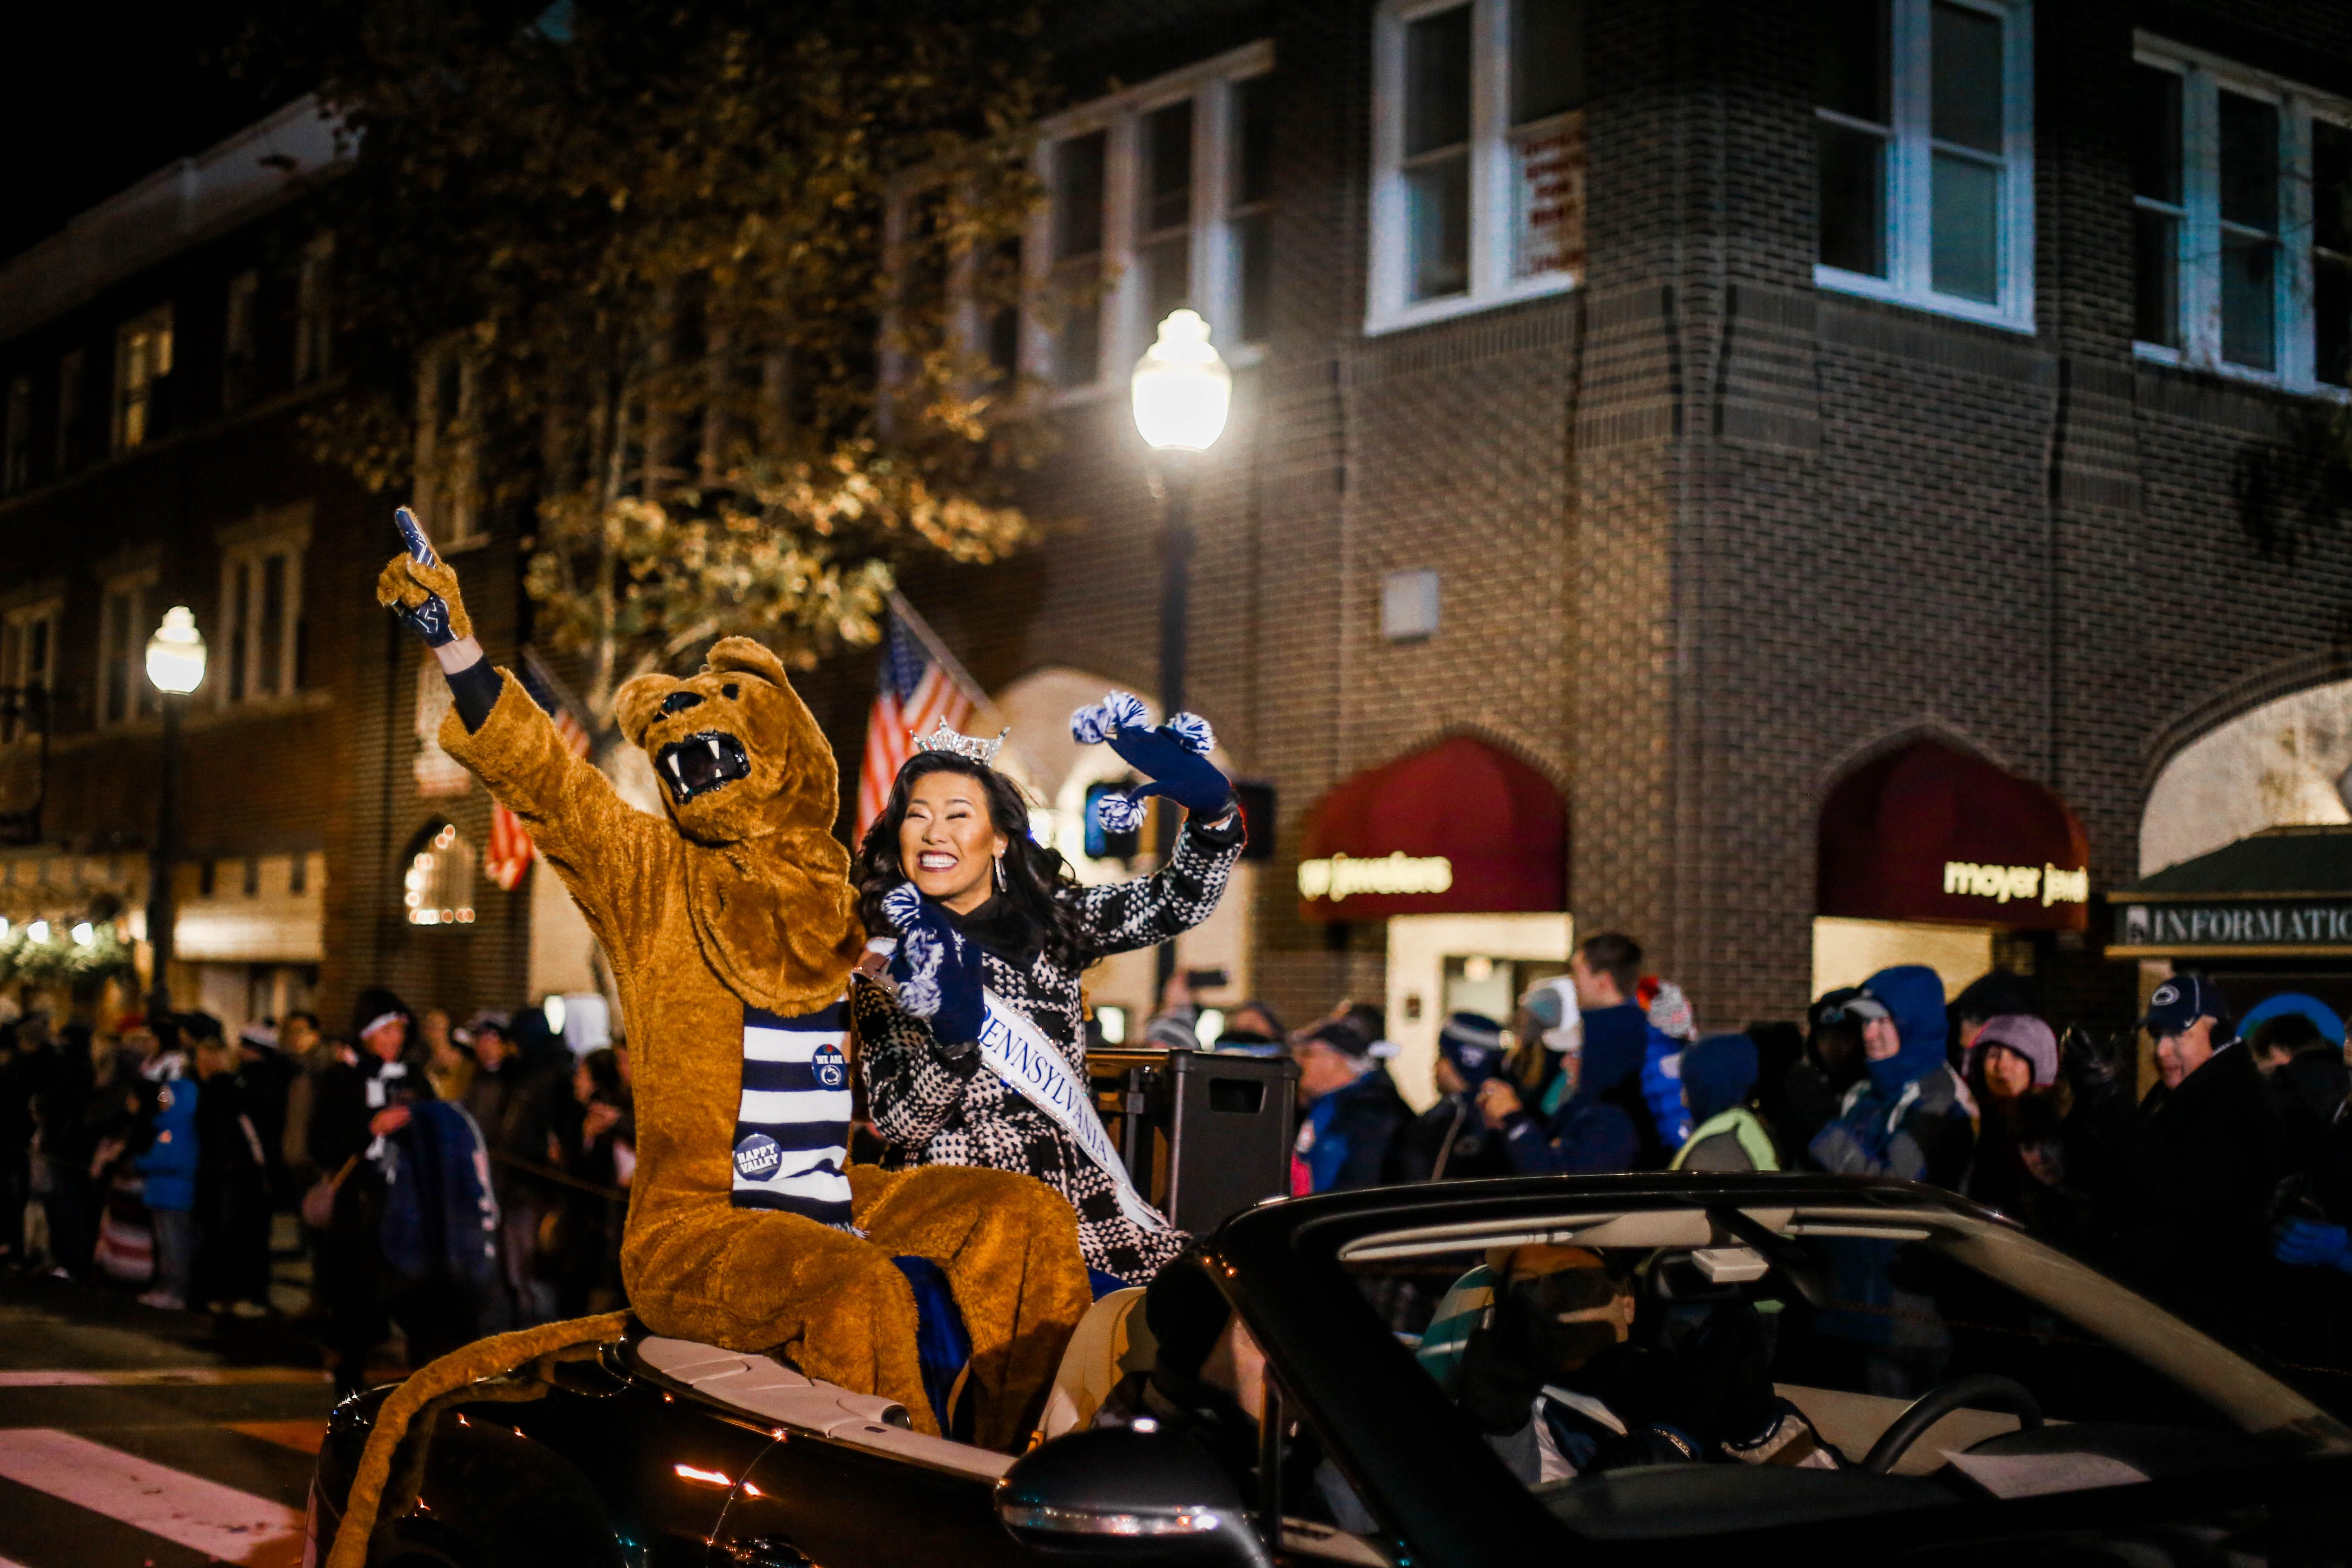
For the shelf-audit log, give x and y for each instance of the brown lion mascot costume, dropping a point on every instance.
(732, 929)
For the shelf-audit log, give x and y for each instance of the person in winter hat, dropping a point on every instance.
(1671, 1027)
(1353, 1113)
(1908, 1117)
(2012, 1064)
(1719, 1074)
(1451, 1138)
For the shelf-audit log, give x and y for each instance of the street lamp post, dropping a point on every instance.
(1181, 392)
(175, 664)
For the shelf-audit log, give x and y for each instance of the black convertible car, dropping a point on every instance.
(1974, 1393)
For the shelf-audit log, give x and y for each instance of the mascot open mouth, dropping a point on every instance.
(700, 763)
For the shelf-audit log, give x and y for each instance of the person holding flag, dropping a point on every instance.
(970, 1020)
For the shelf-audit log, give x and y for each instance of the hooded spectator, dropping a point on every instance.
(2011, 1065)
(1811, 1090)
(169, 1165)
(1719, 1074)
(1907, 1118)
(1997, 993)
(1451, 1138)
(1600, 1120)
(1353, 1113)
(1670, 1028)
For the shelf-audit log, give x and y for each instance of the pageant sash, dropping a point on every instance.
(1017, 1051)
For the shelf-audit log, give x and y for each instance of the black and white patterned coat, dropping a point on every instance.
(936, 1111)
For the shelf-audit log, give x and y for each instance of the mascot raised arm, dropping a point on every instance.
(731, 928)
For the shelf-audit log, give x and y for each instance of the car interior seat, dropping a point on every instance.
(1109, 1342)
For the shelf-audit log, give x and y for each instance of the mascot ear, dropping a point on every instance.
(747, 655)
(639, 702)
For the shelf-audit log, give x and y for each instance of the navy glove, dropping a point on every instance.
(2306, 1244)
(1175, 757)
(937, 971)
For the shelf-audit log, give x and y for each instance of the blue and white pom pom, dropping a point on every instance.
(1194, 732)
(1117, 813)
(902, 906)
(918, 993)
(1098, 721)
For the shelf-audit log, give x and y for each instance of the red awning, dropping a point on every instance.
(1456, 828)
(1934, 833)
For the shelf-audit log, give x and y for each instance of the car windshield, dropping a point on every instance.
(1648, 1371)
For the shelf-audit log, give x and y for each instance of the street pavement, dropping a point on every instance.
(133, 1438)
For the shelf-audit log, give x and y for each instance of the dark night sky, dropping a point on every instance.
(97, 94)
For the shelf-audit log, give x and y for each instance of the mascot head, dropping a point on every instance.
(738, 753)
(751, 782)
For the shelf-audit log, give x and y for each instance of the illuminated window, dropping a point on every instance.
(142, 357)
(440, 880)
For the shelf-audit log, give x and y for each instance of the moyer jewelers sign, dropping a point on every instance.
(2218, 927)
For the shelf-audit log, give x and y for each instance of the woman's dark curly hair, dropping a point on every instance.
(1037, 880)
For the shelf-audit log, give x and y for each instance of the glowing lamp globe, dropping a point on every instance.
(176, 654)
(1182, 389)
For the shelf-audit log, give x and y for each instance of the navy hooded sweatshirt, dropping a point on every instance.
(1908, 1118)
(1606, 1125)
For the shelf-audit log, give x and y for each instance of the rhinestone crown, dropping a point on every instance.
(971, 747)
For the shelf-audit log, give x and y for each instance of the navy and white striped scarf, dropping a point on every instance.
(791, 1129)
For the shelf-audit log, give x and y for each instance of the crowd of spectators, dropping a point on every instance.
(453, 1180)
(2223, 1192)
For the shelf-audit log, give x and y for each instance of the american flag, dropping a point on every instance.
(912, 692)
(510, 848)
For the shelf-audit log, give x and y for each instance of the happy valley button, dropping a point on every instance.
(757, 1156)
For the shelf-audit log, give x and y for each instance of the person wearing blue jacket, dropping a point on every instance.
(1908, 1117)
(169, 1165)
(1594, 1117)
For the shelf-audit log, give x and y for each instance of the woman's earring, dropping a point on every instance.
(1000, 871)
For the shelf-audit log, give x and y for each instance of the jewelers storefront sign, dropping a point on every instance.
(2303, 925)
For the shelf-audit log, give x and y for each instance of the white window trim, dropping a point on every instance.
(1492, 200)
(249, 544)
(141, 584)
(314, 300)
(1124, 334)
(50, 610)
(2204, 74)
(159, 327)
(1909, 257)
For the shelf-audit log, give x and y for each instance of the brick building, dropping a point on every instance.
(1815, 464)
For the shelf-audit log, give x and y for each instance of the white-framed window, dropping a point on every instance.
(28, 650)
(1924, 115)
(1478, 158)
(126, 619)
(258, 653)
(314, 335)
(17, 453)
(2242, 231)
(1155, 199)
(143, 358)
(240, 338)
(448, 487)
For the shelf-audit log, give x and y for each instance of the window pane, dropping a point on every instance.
(1253, 263)
(240, 625)
(1253, 140)
(1004, 319)
(273, 623)
(1077, 344)
(1853, 200)
(1437, 196)
(1167, 269)
(116, 667)
(1165, 196)
(1550, 166)
(2250, 179)
(2331, 311)
(1079, 197)
(1966, 54)
(2156, 133)
(1547, 57)
(1851, 37)
(2331, 185)
(2155, 260)
(1437, 81)
(1965, 236)
(2249, 301)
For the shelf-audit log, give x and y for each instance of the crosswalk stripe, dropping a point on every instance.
(203, 1515)
(148, 1376)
